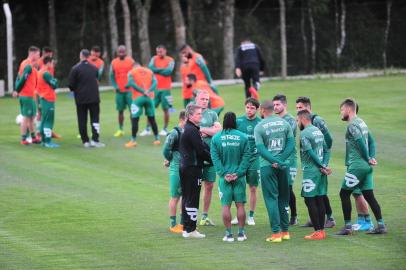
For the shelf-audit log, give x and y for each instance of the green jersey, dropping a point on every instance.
(357, 129)
(292, 122)
(247, 126)
(209, 117)
(319, 123)
(311, 138)
(171, 147)
(273, 133)
(230, 152)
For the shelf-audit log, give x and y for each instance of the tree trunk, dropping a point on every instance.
(143, 34)
(386, 35)
(180, 30)
(127, 27)
(105, 46)
(191, 4)
(282, 13)
(228, 39)
(52, 27)
(113, 26)
(83, 26)
(341, 44)
(304, 36)
(313, 35)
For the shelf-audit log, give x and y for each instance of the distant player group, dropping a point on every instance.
(242, 150)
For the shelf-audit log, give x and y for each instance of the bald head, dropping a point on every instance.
(266, 108)
(121, 51)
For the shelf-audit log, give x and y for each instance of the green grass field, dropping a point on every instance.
(76, 208)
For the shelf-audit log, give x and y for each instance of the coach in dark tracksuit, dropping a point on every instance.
(193, 153)
(83, 81)
(248, 63)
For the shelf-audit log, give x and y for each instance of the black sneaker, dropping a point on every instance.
(346, 230)
(330, 223)
(381, 229)
(308, 224)
(293, 221)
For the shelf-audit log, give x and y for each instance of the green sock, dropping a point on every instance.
(133, 138)
(367, 218)
(361, 217)
(23, 137)
(204, 215)
(241, 230)
(173, 221)
(228, 232)
(157, 137)
(33, 135)
(347, 222)
(251, 213)
(120, 127)
(380, 221)
(329, 216)
(181, 219)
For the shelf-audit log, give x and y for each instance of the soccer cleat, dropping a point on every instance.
(366, 226)
(56, 136)
(330, 223)
(131, 144)
(24, 142)
(163, 132)
(275, 238)
(251, 221)
(228, 238)
(86, 145)
(308, 224)
(293, 221)
(285, 235)
(357, 226)
(317, 235)
(254, 93)
(145, 132)
(50, 145)
(234, 221)
(194, 234)
(241, 237)
(206, 222)
(97, 144)
(36, 140)
(157, 142)
(119, 133)
(346, 230)
(178, 228)
(381, 229)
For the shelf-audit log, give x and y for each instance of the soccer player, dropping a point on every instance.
(25, 85)
(359, 159)
(46, 52)
(209, 126)
(119, 69)
(197, 64)
(97, 61)
(143, 83)
(46, 90)
(280, 107)
(172, 159)
(275, 143)
(246, 125)
(162, 65)
(216, 102)
(314, 156)
(187, 92)
(231, 154)
(304, 103)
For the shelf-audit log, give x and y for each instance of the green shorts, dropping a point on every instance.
(142, 102)
(209, 174)
(234, 191)
(292, 175)
(253, 177)
(313, 184)
(357, 192)
(163, 97)
(174, 182)
(358, 176)
(123, 100)
(27, 106)
(187, 101)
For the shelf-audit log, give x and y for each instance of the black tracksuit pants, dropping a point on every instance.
(94, 110)
(191, 181)
(250, 73)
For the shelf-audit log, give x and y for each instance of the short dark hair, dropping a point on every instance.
(349, 102)
(47, 59)
(229, 121)
(47, 49)
(161, 46)
(85, 53)
(267, 105)
(305, 114)
(33, 49)
(96, 48)
(182, 115)
(252, 101)
(184, 46)
(192, 77)
(281, 98)
(304, 100)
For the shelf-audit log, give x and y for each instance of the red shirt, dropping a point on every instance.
(44, 90)
(187, 93)
(28, 89)
(163, 82)
(121, 69)
(142, 78)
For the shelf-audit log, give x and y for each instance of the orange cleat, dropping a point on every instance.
(285, 235)
(254, 93)
(56, 136)
(178, 228)
(157, 142)
(131, 144)
(24, 142)
(275, 238)
(317, 235)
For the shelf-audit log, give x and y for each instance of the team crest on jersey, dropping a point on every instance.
(351, 180)
(249, 128)
(308, 185)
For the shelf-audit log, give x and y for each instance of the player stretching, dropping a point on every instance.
(209, 126)
(197, 64)
(231, 154)
(25, 86)
(275, 143)
(303, 103)
(119, 69)
(143, 83)
(97, 61)
(172, 160)
(314, 156)
(280, 104)
(359, 159)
